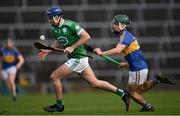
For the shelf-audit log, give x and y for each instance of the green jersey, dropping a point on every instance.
(67, 34)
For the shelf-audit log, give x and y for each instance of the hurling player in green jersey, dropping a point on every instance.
(72, 37)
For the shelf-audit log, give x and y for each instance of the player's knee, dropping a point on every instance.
(142, 89)
(95, 84)
(53, 76)
(11, 82)
(133, 93)
(131, 88)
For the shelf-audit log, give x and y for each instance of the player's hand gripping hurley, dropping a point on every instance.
(45, 47)
(107, 58)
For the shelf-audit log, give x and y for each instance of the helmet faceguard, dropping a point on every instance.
(122, 21)
(55, 13)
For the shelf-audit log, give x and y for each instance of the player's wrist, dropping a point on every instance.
(48, 51)
(17, 67)
(73, 47)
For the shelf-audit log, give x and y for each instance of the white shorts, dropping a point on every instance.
(137, 77)
(78, 65)
(8, 71)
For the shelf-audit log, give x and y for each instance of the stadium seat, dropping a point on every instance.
(49, 33)
(172, 63)
(172, 47)
(149, 31)
(26, 50)
(128, 1)
(155, 14)
(95, 16)
(4, 33)
(70, 15)
(175, 14)
(11, 3)
(95, 32)
(27, 33)
(38, 2)
(98, 2)
(132, 13)
(155, 1)
(6, 19)
(174, 31)
(69, 2)
(34, 17)
(149, 47)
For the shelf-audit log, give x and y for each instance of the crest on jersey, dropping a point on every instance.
(55, 31)
(77, 27)
(64, 30)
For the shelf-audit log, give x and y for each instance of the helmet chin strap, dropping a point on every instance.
(57, 21)
(122, 28)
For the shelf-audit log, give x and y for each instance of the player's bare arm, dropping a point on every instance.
(84, 37)
(20, 61)
(43, 53)
(124, 64)
(119, 47)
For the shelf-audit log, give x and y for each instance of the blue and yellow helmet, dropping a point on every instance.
(54, 11)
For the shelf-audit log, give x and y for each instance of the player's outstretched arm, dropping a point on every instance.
(43, 53)
(124, 64)
(20, 61)
(113, 51)
(84, 37)
(55, 45)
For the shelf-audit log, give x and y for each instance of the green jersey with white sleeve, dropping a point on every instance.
(67, 34)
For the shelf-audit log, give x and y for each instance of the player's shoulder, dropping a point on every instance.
(15, 49)
(129, 34)
(2, 49)
(70, 22)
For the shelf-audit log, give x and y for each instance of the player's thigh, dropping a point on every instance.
(136, 80)
(61, 72)
(78, 65)
(89, 76)
(12, 73)
(4, 75)
(12, 77)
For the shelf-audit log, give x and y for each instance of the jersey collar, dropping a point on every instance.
(62, 23)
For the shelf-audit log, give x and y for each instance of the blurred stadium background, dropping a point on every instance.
(156, 24)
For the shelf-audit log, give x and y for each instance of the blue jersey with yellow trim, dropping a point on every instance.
(132, 52)
(9, 57)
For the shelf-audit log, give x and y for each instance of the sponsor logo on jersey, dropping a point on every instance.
(9, 58)
(64, 30)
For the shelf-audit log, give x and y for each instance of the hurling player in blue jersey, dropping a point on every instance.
(12, 60)
(138, 69)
